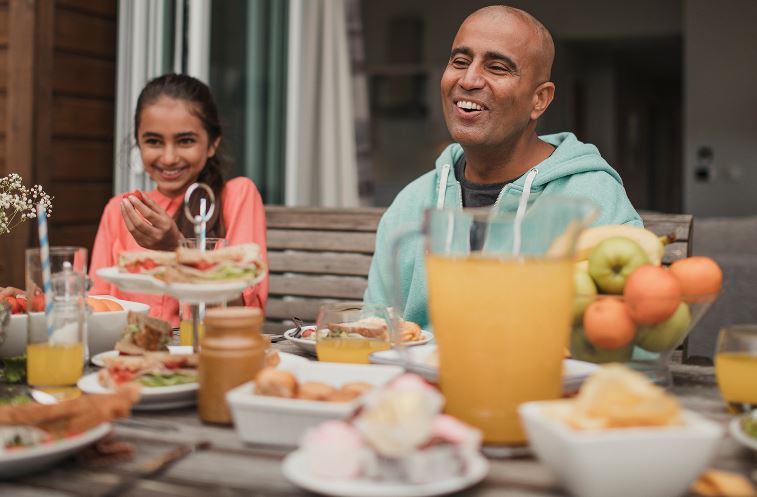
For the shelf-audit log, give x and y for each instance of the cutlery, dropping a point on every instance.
(298, 323)
(155, 467)
(41, 397)
(146, 424)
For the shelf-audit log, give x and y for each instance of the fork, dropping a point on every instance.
(298, 331)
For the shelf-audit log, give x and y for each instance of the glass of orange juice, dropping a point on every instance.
(55, 348)
(351, 332)
(736, 366)
(500, 294)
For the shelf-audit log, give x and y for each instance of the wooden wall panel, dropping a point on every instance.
(3, 68)
(85, 34)
(77, 203)
(103, 8)
(82, 160)
(4, 25)
(83, 76)
(76, 235)
(82, 118)
(3, 114)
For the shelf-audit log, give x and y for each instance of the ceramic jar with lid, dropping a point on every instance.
(232, 352)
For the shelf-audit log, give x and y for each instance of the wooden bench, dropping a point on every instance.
(321, 254)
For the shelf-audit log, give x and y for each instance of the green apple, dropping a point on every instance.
(585, 292)
(666, 335)
(613, 260)
(581, 349)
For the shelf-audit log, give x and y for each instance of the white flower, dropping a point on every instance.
(19, 203)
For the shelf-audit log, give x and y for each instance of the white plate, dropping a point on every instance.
(574, 372)
(295, 471)
(191, 293)
(152, 398)
(309, 345)
(30, 459)
(99, 359)
(737, 432)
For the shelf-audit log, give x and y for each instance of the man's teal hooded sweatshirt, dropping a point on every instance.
(574, 169)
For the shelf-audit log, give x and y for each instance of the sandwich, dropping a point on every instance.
(375, 328)
(238, 262)
(144, 334)
(152, 262)
(154, 369)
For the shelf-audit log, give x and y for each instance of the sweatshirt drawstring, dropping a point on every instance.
(441, 193)
(520, 214)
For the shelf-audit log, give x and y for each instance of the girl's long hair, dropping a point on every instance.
(201, 103)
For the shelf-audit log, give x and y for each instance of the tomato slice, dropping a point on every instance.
(202, 265)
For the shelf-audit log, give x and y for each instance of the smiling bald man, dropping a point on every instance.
(495, 88)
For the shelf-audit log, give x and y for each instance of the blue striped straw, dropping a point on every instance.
(44, 255)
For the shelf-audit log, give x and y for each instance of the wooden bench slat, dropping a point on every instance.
(313, 262)
(344, 287)
(321, 241)
(305, 309)
(675, 251)
(335, 219)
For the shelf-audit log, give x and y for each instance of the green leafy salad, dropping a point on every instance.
(749, 425)
(166, 380)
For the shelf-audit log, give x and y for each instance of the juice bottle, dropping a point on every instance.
(502, 326)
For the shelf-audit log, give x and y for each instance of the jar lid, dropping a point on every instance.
(233, 317)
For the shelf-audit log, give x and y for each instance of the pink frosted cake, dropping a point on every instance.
(398, 435)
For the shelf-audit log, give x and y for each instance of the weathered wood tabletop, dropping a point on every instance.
(230, 467)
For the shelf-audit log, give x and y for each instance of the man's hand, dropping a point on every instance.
(149, 224)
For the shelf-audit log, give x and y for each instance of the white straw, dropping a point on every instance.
(44, 256)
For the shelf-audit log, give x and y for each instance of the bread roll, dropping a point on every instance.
(358, 387)
(314, 390)
(276, 383)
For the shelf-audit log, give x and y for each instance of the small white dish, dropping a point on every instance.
(738, 433)
(308, 344)
(30, 459)
(295, 471)
(152, 398)
(190, 293)
(281, 421)
(421, 362)
(622, 462)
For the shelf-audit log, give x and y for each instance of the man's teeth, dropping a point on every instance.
(464, 104)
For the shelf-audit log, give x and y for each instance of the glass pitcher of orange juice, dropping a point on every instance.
(500, 307)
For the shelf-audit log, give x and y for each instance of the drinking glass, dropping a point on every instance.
(351, 332)
(56, 357)
(736, 366)
(500, 298)
(186, 336)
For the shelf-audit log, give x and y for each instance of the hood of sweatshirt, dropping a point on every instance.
(570, 157)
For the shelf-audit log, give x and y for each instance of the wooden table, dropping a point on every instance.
(232, 468)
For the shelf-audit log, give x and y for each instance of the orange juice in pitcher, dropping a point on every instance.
(502, 326)
(500, 300)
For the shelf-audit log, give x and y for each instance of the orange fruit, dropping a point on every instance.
(652, 294)
(112, 305)
(607, 324)
(700, 277)
(97, 305)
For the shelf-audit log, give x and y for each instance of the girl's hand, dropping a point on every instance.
(149, 224)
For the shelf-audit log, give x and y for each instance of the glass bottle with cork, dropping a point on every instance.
(232, 353)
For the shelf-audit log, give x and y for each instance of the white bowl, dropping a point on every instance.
(279, 421)
(622, 462)
(103, 328)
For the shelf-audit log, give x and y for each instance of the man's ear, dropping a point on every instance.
(214, 147)
(543, 96)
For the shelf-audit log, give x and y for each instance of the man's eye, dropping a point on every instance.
(500, 69)
(459, 63)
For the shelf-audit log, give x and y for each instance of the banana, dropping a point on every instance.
(591, 237)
